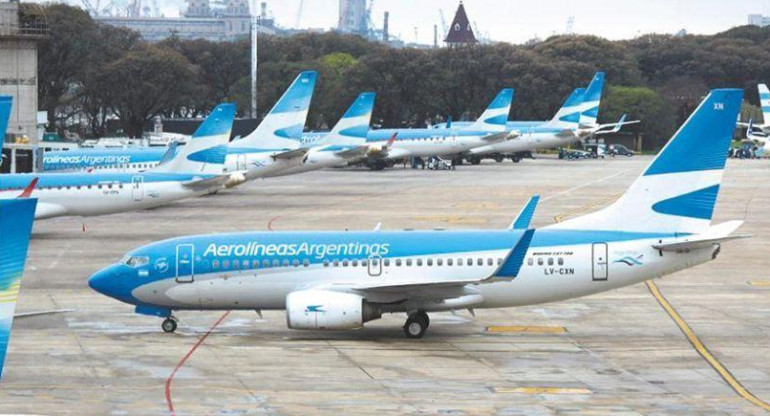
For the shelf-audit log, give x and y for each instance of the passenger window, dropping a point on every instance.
(398, 262)
(448, 262)
(430, 262)
(285, 263)
(364, 262)
(386, 262)
(295, 263)
(408, 262)
(225, 264)
(540, 261)
(439, 262)
(499, 261)
(265, 263)
(561, 261)
(550, 261)
(276, 263)
(469, 262)
(419, 262)
(480, 262)
(530, 262)
(255, 264)
(460, 262)
(336, 263)
(354, 263)
(345, 263)
(236, 264)
(490, 262)
(326, 263)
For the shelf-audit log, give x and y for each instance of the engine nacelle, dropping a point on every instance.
(324, 309)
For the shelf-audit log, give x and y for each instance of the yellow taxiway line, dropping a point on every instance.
(542, 390)
(759, 283)
(703, 351)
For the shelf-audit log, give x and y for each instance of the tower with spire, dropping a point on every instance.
(460, 32)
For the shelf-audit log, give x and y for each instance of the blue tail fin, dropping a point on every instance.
(495, 116)
(282, 127)
(5, 114)
(351, 129)
(678, 191)
(589, 109)
(206, 151)
(16, 217)
(568, 116)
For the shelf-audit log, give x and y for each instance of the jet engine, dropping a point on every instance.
(324, 309)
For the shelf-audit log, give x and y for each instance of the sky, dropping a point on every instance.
(517, 21)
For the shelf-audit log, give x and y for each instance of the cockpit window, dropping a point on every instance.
(136, 261)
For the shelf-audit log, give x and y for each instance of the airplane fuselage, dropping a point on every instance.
(258, 270)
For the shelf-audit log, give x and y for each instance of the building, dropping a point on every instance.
(353, 17)
(460, 32)
(200, 21)
(21, 27)
(759, 20)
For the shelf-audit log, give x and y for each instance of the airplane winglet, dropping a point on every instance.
(391, 140)
(512, 264)
(449, 122)
(525, 216)
(28, 190)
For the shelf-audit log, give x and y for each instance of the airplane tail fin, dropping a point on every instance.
(5, 114)
(589, 109)
(282, 127)
(495, 116)
(568, 116)
(764, 101)
(206, 150)
(678, 191)
(351, 129)
(16, 217)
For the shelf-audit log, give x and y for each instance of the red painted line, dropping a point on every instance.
(270, 223)
(184, 360)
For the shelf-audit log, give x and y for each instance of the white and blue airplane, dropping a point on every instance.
(764, 102)
(196, 169)
(340, 280)
(438, 141)
(104, 159)
(16, 218)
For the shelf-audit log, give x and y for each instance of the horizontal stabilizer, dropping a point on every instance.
(525, 216)
(290, 154)
(713, 235)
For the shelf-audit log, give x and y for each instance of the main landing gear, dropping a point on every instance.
(169, 324)
(416, 324)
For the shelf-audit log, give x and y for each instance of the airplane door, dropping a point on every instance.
(599, 261)
(185, 266)
(137, 188)
(375, 265)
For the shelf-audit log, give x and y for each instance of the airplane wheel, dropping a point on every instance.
(515, 159)
(416, 325)
(499, 158)
(168, 325)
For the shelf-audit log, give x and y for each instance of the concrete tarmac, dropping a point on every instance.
(617, 353)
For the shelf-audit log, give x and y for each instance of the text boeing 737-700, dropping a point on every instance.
(340, 280)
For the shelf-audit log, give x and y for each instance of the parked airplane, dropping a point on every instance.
(16, 217)
(764, 102)
(196, 169)
(268, 149)
(576, 120)
(755, 133)
(489, 128)
(340, 280)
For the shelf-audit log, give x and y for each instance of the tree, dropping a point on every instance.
(640, 103)
(145, 81)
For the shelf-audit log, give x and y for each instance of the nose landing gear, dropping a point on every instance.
(169, 325)
(416, 325)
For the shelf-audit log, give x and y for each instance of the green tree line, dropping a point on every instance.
(91, 72)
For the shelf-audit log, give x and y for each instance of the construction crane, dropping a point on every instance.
(570, 24)
(443, 22)
(299, 14)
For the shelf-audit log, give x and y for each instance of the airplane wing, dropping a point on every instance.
(227, 181)
(290, 154)
(502, 136)
(715, 234)
(353, 153)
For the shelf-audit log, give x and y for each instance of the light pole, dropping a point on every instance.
(254, 36)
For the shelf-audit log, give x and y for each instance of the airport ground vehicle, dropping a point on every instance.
(619, 150)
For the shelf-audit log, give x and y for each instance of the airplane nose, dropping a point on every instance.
(101, 281)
